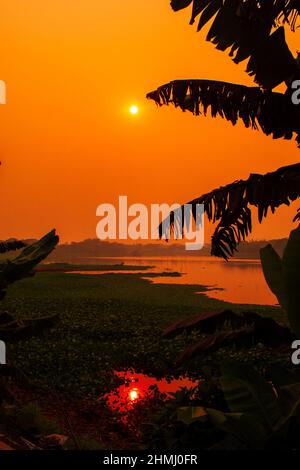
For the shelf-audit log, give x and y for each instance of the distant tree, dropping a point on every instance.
(253, 30)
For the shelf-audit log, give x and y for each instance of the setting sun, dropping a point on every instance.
(133, 109)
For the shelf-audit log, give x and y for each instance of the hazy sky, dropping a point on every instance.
(68, 143)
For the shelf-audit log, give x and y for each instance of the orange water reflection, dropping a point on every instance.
(138, 386)
(241, 281)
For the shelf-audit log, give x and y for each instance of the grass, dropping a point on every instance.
(108, 322)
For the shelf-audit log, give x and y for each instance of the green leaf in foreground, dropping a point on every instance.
(246, 391)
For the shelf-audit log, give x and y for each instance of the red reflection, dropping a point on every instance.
(138, 386)
(133, 395)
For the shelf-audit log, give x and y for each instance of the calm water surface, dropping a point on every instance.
(137, 386)
(241, 281)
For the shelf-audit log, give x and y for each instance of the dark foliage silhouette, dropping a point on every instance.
(230, 206)
(253, 30)
(273, 113)
(11, 245)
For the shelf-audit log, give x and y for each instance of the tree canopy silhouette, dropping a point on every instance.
(253, 30)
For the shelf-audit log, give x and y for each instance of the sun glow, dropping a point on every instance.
(133, 394)
(133, 109)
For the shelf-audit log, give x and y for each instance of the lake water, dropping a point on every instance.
(241, 281)
(136, 387)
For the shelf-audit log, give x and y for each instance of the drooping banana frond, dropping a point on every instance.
(11, 245)
(272, 12)
(229, 206)
(22, 265)
(274, 113)
(245, 26)
(272, 62)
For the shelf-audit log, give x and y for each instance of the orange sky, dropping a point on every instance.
(68, 144)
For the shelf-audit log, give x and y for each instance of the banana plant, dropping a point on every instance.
(259, 412)
(11, 245)
(252, 30)
(12, 270)
(283, 277)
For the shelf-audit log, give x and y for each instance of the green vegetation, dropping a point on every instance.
(27, 420)
(283, 277)
(241, 410)
(107, 322)
(22, 265)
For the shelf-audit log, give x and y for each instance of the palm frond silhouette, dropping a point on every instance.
(253, 30)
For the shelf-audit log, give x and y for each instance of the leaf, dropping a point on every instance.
(22, 265)
(245, 428)
(291, 275)
(246, 391)
(297, 216)
(272, 269)
(11, 245)
(289, 399)
(224, 421)
(190, 414)
(265, 192)
(281, 375)
(180, 4)
(246, 28)
(273, 112)
(272, 62)
(248, 329)
(216, 340)
(205, 322)
(211, 9)
(269, 332)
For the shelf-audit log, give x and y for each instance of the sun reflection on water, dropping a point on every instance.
(137, 387)
(133, 395)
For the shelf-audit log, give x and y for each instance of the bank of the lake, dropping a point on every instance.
(107, 322)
